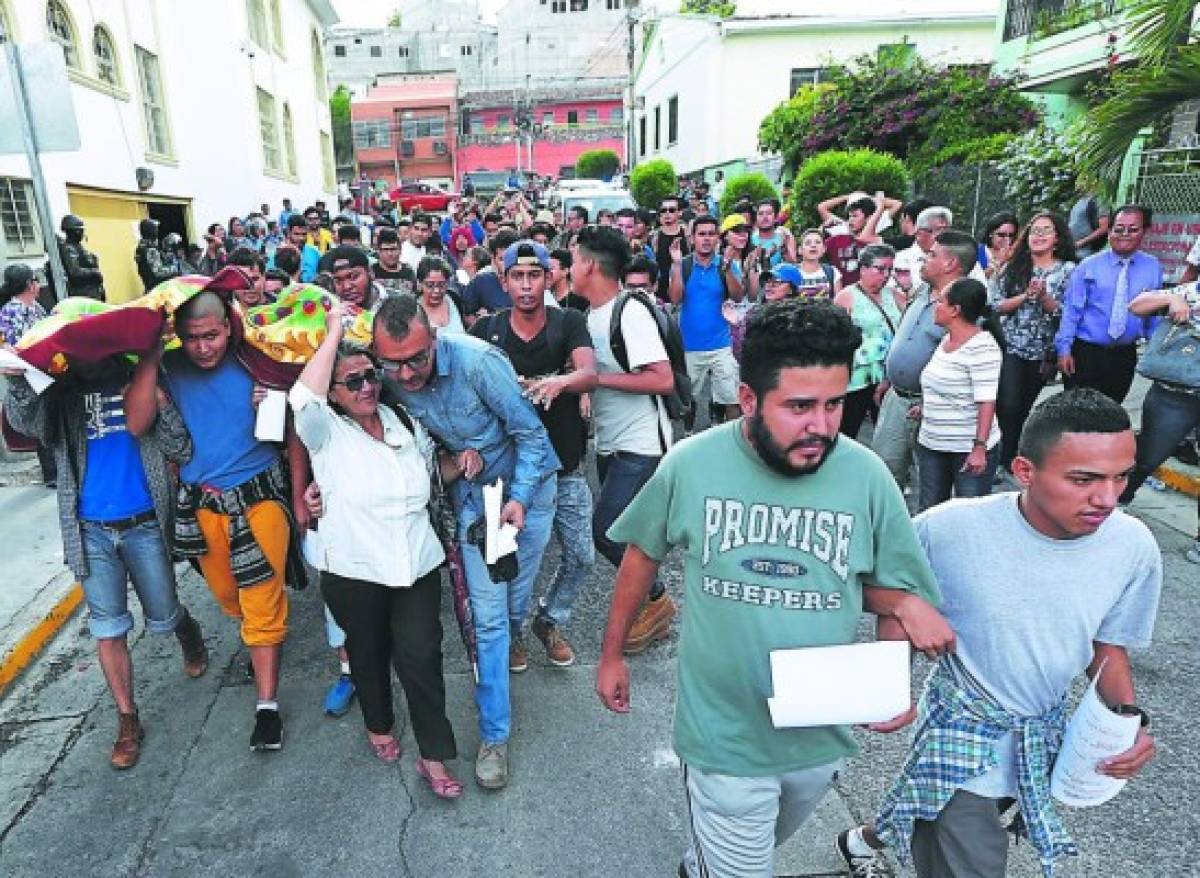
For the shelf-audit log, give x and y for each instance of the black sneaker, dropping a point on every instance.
(860, 867)
(268, 731)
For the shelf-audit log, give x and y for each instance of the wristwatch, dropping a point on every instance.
(979, 443)
(1133, 710)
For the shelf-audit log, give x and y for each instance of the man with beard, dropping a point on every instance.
(789, 532)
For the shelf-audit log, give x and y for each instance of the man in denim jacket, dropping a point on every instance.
(465, 392)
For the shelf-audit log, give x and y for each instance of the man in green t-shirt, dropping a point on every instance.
(789, 532)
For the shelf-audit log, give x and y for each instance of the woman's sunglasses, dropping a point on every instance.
(354, 382)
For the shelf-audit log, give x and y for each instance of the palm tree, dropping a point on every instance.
(1161, 34)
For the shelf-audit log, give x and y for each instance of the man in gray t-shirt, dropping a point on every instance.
(1038, 587)
(1088, 222)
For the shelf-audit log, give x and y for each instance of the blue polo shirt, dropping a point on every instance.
(700, 320)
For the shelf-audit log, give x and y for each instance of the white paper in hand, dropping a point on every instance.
(840, 685)
(499, 539)
(272, 415)
(1094, 734)
(37, 379)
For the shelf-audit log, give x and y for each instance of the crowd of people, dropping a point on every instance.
(502, 341)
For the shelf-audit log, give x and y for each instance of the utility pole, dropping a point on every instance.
(630, 57)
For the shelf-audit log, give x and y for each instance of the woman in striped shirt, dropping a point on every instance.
(958, 446)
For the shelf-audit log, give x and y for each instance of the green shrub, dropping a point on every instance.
(653, 181)
(838, 172)
(754, 186)
(1039, 170)
(597, 164)
(974, 152)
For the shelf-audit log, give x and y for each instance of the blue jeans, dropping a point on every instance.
(114, 559)
(1167, 417)
(494, 604)
(573, 527)
(940, 474)
(622, 475)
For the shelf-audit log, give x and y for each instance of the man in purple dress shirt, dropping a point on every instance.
(1097, 339)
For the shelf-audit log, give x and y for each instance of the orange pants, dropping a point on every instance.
(263, 608)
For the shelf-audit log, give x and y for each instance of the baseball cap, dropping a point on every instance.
(785, 272)
(526, 253)
(348, 257)
(734, 221)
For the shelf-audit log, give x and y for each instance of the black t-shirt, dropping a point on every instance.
(403, 280)
(661, 243)
(574, 302)
(536, 359)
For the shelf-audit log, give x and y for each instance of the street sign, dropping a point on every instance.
(51, 110)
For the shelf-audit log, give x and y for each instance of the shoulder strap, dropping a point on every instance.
(686, 267)
(616, 336)
(879, 307)
(499, 328)
(829, 275)
(555, 318)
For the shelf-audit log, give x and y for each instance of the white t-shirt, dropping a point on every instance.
(811, 281)
(1026, 608)
(1193, 257)
(411, 255)
(952, 385)
(633, 422)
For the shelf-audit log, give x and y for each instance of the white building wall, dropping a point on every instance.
(209, 74)
(729, 78)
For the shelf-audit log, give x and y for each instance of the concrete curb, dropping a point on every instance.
(1185, 480)
(31, 644)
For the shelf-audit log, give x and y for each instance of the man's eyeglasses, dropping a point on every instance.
(882, 269)
(415, 362)
(354, 382)
(435, 286)
(1126, 230)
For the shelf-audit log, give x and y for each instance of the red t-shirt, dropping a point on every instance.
(842, 252)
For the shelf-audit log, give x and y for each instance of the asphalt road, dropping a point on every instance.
(593, 794)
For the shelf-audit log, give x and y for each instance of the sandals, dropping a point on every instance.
(442, 787)
(386, 751)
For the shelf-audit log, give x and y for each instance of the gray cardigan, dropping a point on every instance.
(57, 419)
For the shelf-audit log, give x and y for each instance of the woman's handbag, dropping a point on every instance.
(1173, 355)
(12, 439)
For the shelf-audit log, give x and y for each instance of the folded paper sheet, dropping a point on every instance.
(840, 685)
(500, 539)
(37, 379)
(1094, 734)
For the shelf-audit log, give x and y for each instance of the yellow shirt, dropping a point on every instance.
(322, 240)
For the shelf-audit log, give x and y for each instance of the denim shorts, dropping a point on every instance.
(114, 559)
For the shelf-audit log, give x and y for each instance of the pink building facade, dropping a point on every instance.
(561, 130)
(406, 128)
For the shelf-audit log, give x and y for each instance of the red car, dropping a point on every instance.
(421, 196)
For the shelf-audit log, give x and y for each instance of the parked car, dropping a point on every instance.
(422, 196)
(600, 198)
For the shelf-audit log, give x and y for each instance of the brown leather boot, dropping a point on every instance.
(191, 640)
(128, 746)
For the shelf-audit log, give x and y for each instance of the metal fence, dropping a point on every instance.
(1046, 17)
(1168, 180)
(972, 192)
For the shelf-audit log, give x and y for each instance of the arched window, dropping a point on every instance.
(61, 30)
(318, 64)
(289, 140)
(105, 52)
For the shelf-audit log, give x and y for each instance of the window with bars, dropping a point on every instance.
(61, 30)
(658, 128)
(256, 13)
(427, 126)
(268, 130)
(18, 219)
(276, 26)
(592, 117)
(105, 52)
(154, 108)
(616, 115)
(371, 133)
(289, 140)
(572, 118)
(339, 51)
(802, 76)
(673, 121)
(548, 118)
(377, 51)
(330, 177)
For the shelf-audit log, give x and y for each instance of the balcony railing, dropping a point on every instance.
(1042, 18)
(555, 134)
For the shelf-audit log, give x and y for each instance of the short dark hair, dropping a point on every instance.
(422, 218)
(397, 314)
(705, 220)
(774, 202)
(296, 221)
(1140, 209)
(494, 217)
(675, 198)
(642, 264)
(502, 240)
(563, 255)
(580, 211)
(349, 232)
(479, 255)
(608, 247)
(309, 210)
(912, 209)
(279, 274)
(863, 205)
(287, 259)
(795, 333)
(542, 229)
(247, 258)
(962, 246)
(387, 236)
(1082, 410)
(627, 211)
(430, 264)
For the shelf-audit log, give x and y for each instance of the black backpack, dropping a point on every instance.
(679, 403)
(499, 327)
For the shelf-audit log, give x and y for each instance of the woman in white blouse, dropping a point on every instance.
(958, 446)
(378, 552)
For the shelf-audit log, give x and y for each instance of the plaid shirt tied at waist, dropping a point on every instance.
(954, 743)
(248, 563)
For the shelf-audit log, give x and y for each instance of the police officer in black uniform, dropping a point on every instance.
(80, 264)
(153, 265)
